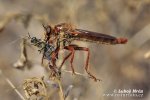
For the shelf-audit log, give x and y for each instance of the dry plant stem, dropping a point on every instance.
(79, 74)
(6, 19)
(147, 55)
(75, 73)
(51, 93)
(23, 56)
(61, 94)
(12, 85)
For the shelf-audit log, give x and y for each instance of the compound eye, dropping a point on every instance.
(33, 39)
(47, 28)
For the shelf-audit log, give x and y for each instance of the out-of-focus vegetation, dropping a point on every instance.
(120, 66)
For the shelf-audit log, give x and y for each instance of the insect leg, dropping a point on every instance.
(54, 56)
(43, 54)
(71, 54)
(87, 62)
(55, 71)
(65, 59)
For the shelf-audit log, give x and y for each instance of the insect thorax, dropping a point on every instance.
(64, 39)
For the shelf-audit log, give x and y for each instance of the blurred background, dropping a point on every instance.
(124, 66)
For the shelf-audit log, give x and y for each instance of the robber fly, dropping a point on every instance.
(65, 33)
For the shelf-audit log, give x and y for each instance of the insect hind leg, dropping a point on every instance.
(87, 62)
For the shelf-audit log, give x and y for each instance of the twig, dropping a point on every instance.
(81, 75)
(147, 55)
(12, 85)
(75, 73)
(22, 61)
(61, 94)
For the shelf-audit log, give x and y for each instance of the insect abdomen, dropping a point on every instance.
(89, 36)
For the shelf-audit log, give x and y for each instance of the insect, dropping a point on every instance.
(48, 51)
(43, 46)
(63, 34)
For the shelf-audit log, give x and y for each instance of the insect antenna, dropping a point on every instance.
(29, 36)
